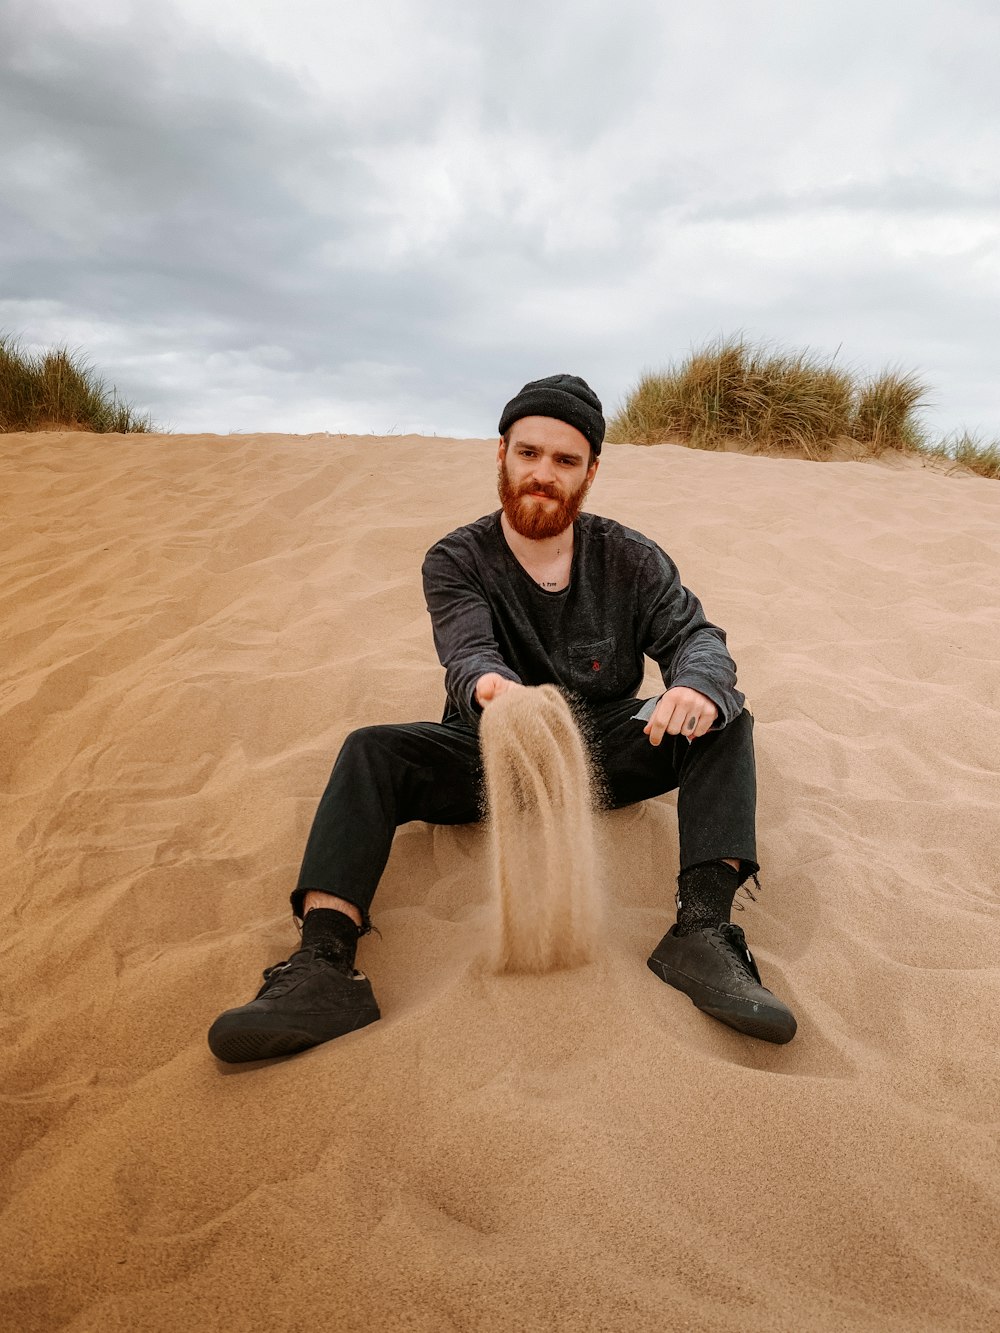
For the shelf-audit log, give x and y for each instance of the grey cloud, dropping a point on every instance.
(185, 167)
(568, 73)
(898, 195)
(221, 221)
(182, 172)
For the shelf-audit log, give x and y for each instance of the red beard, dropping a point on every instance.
(534, 519)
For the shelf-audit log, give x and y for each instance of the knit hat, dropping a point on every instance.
(567, 398)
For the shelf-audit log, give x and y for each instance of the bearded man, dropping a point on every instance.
(537, 593)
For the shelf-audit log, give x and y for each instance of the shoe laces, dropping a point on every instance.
(737, 941)
(302, 958)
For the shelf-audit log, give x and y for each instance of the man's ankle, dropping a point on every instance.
(705, 895)
(333, 934)
(330, 901)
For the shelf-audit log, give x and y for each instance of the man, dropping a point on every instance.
(538, 592)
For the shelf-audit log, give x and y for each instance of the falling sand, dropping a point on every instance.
(540, 808)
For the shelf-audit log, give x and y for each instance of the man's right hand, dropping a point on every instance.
(491, 686)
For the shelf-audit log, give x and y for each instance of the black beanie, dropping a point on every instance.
(567, 398)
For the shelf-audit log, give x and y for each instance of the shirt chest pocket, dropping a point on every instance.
(593, 666)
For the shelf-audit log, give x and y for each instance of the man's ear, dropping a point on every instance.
(592, 470)
(502, 451)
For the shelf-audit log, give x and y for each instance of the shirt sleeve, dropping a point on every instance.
(463, 630)
(688, 648)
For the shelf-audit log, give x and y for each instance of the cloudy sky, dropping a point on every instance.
(386, 216)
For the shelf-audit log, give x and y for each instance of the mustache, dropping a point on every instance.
(530, 488)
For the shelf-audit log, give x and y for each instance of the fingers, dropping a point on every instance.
(486, 687)
(492, 685)
(681, 712)
(676, 720)
(699, 724)
(704, 724)
(668, 718)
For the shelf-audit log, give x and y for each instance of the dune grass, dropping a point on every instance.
(967, 451)
(56, 391)
(734, 394)
(738, 394)
(885, 412)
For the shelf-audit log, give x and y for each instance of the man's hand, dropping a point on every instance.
(491, 686)
(680, 712)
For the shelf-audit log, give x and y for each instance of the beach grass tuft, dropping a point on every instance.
(968, 451)
(737, 394)
(734, 394)
(755, 398)
(56, 390)
(885, 412)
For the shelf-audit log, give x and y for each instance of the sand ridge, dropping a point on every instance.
(193, 624)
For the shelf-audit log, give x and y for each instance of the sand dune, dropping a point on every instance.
(191, 627)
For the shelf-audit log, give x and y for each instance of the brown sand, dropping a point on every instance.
(541, 823)
(192, 625)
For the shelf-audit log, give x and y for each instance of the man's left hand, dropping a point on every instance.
(681, 712)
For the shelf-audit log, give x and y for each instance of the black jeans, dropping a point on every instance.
(388, 775)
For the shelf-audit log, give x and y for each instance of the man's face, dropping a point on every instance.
(543, 476)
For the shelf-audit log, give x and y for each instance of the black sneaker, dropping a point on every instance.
(302, 1002)
(716, 969)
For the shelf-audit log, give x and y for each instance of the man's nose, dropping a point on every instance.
(544, 471)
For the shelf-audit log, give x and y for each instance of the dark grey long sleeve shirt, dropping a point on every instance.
(625, 600)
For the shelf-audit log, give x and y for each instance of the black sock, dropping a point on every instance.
(705, 895)
(332, 932)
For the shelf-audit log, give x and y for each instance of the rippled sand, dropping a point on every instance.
(192, 625)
